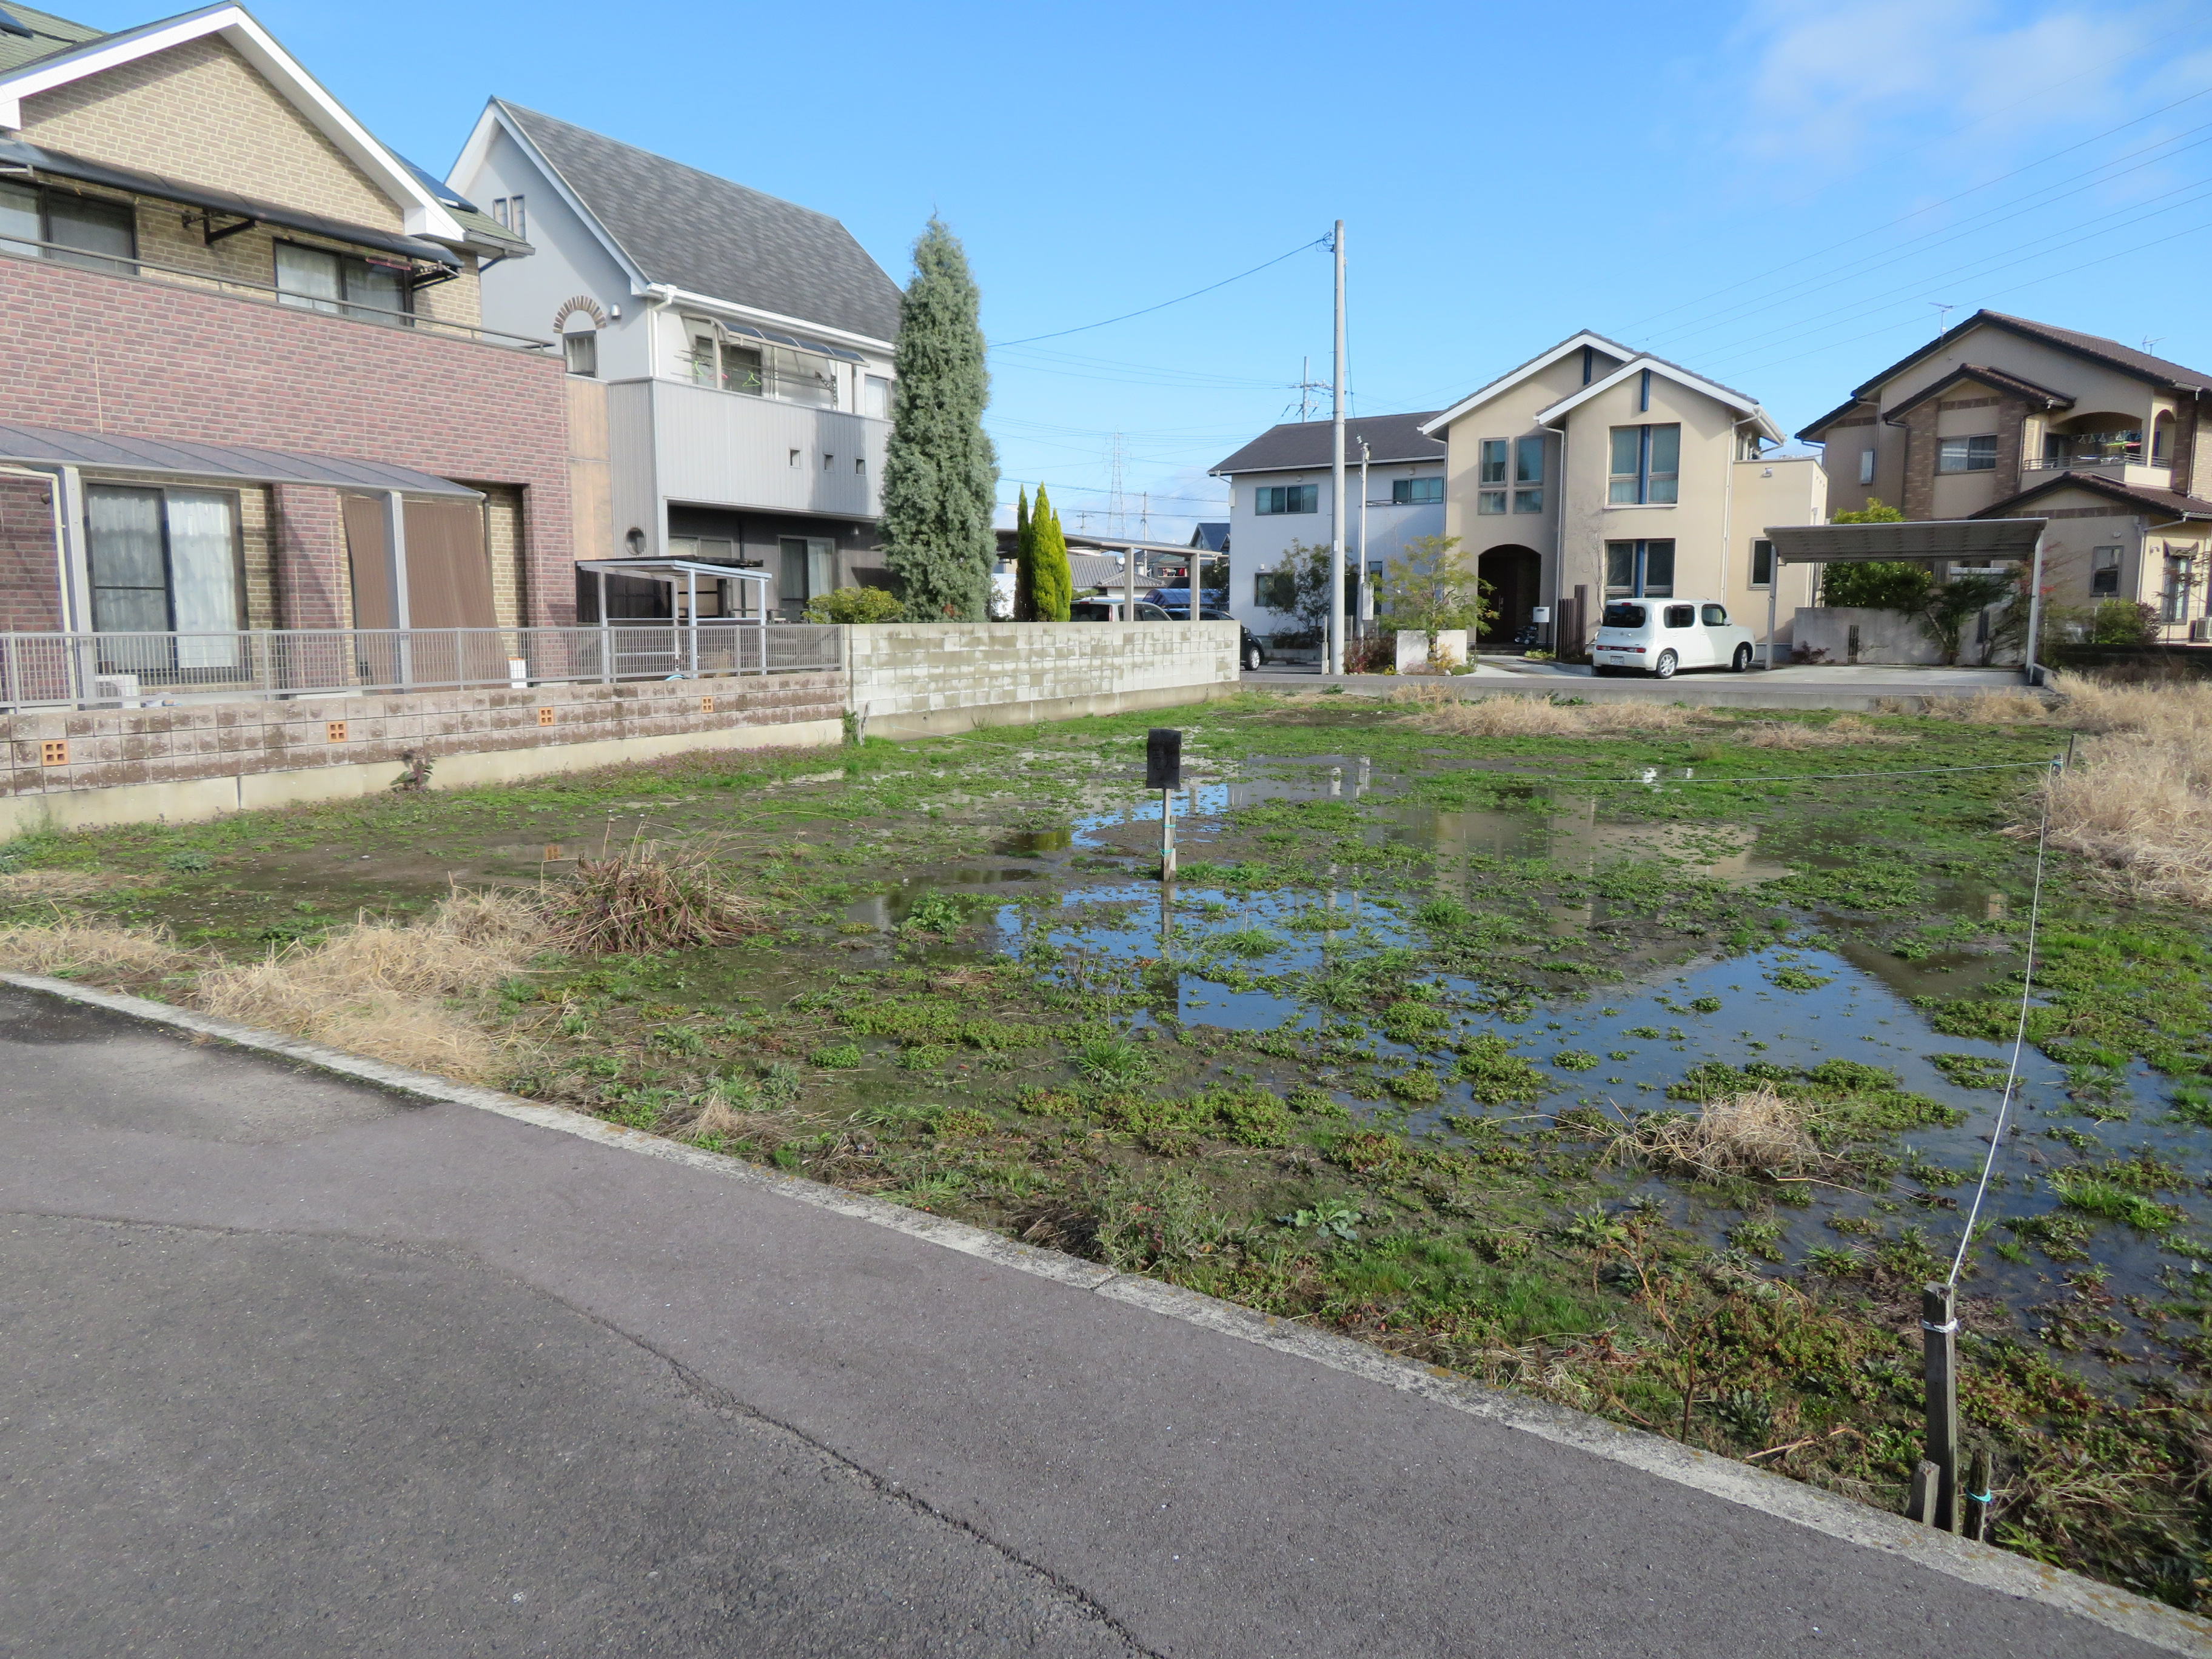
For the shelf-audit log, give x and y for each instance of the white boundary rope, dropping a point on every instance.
(2019, 1040)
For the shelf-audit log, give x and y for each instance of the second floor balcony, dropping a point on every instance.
(673, 441)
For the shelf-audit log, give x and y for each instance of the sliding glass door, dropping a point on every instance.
(164, 560)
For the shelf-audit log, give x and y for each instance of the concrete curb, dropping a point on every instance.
(1776, 1495)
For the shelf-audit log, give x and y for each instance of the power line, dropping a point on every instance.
(1146, 311)
(1860, 236)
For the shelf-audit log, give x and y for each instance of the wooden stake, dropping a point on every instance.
(1926, 1478)
(1976, 1502)
(1939, 1330)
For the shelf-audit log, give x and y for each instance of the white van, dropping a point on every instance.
(1657, 636)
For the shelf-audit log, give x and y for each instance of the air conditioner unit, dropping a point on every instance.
(115, 691)
(2200, 631)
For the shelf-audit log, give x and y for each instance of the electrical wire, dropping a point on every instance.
(2019, 1040)
(1146, 311)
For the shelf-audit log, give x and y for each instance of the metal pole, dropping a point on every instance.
(1333, 642)
(1167, 835)
(1773, 587)
(1938, 1329)
(2033, 670)
(606, 635)
(395, 545)
(1366, 570)
(691, 600)
(1128, 584)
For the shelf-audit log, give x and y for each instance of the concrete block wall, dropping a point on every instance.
(919, 678)
(199, 761)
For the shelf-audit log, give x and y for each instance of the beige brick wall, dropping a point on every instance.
(503, 543)
(257, 553)
(200, 112)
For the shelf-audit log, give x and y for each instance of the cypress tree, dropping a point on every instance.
(1054, 583)
(940, 472)
(1025, 558)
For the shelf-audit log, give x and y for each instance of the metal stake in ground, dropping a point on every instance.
(1938, 1329)
(1164, 772)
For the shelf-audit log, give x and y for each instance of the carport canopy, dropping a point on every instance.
(1958, 541)
(684, 574)
(1962, 541)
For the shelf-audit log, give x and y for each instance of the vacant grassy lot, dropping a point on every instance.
(1638, 1058)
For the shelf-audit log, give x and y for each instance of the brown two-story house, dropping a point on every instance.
(2004, 417)
(247, 385)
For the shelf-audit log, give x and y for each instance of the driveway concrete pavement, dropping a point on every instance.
(1840, 686)
(294, 1366)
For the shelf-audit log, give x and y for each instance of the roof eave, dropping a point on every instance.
(497, 117)
(1513, 377)
(420, 212)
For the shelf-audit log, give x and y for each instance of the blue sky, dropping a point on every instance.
(1679, 177)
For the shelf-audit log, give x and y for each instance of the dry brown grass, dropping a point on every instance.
(91, 950)
(1845, 729)
(1757, 1133)
(2000, 708)
(644, 899)
(2138, 800)
(1539, 717)
(377, 987)
(19, 884)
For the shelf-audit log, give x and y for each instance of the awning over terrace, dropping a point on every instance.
(116, 453)
(1952, 541)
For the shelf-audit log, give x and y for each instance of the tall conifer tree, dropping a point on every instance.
(1025, 557)
(1052, 584)
(940, 472)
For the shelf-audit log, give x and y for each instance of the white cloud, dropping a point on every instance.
(1830, 83)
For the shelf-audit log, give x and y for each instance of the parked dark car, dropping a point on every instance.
(1250, 653)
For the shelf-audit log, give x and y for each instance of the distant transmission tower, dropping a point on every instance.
(1117, 507)
(1307, 388)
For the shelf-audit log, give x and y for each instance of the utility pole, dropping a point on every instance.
(1333, 659)
(1366, 565)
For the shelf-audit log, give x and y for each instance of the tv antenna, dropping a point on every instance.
(1942, 316)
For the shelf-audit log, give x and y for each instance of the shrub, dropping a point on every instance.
(642, 902)
(855, 604)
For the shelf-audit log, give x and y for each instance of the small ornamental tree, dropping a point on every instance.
(1025, 557)
(1884, 585)
(1052, 582)
(1433, 586)
(940, 472)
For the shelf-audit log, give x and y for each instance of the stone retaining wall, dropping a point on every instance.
(65, 770)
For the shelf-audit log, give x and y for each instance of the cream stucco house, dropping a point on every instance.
(2004, 417)
(1594, 471)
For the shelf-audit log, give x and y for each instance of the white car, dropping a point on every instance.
(1658, 636)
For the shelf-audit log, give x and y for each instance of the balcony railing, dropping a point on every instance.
(2091, 463)
(156, 669)
(116, 265)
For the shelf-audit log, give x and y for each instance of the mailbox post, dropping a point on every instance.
(1164, 772)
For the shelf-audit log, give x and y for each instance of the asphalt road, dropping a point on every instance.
(289, 1366)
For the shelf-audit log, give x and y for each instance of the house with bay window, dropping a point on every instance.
(1593, 470)
(736, 347)
(248, 386)
(2005, 417)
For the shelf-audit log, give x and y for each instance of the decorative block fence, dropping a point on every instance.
(200, 761)
(78, 770)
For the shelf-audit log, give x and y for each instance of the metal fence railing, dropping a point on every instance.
(95, 670)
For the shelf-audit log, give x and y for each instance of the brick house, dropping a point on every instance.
(2004, 417)
(248, 386)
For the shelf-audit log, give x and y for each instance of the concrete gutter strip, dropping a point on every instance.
(1724, 1478)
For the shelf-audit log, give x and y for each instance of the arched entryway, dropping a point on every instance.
(1512, 574)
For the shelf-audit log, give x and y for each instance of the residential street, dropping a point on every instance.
(295, 1367)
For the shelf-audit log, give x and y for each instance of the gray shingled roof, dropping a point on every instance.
(696, 232)
(48, 35)
(1305, 446)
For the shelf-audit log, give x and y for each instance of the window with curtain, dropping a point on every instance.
(343, 284)
(94, 232)
(1978, 454)
(163, 560)
(1639, 570)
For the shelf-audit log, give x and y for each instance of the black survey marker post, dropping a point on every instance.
(1164, 772)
